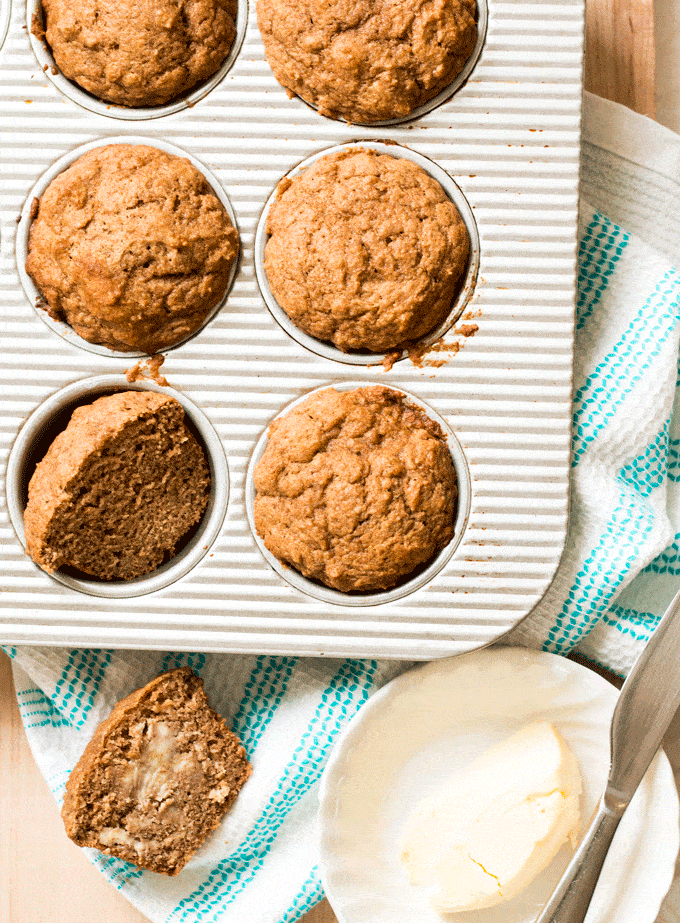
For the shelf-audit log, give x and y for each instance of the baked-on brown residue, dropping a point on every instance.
(138, 52)
(365, 250)
(368, 60)
(157, 776)
(418, 353)
(148, 369)
(117, 489)
(131, 247)
(355, 489)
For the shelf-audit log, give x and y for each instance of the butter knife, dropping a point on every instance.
(647, 703)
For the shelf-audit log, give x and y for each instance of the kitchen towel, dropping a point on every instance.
(617, 574)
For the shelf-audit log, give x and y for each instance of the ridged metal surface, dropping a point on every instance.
(510, 139)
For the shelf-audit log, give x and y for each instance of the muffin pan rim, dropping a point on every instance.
(289, 574)
(21, 244)
(5, 17)
(77, 394)
(80, 97)
(464, 293)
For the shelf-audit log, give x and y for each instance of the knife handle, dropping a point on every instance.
(571, 898)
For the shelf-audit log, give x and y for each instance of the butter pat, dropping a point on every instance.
(498, 824)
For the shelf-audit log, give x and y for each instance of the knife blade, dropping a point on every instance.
(647, 703)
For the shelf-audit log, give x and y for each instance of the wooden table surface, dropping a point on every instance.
(44, 878)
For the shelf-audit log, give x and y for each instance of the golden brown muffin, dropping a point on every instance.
(355, 489)
(131, 247)
(117, 489)
(369, 60)
(365, 250)
(139, 52)
(157, 776)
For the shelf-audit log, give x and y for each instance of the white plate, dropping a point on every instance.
(429, 723)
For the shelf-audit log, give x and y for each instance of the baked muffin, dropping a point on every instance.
(157, 776)
(131, 247)
(139, 52)
(365, 250)
(369, 60)
(355, 489)
(117, 489)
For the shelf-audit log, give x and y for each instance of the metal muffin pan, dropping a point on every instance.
(326, 594)
(24, 229)
(509, 139)
(364, 358)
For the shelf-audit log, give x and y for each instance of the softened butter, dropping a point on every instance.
(498, 824)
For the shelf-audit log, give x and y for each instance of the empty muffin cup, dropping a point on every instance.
(446, 189)
(422, 574)
(61, 327)
(51, 418)
(80, 96)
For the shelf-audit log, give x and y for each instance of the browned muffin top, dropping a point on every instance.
(157, 776)
(117, 489)
(139, 52)
(355, 489)
(369, 60)
(131, 247)
(365, 250)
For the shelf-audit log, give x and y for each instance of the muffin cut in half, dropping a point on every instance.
(157, 776)
(138, 52)
(118, 488)
(355, 489)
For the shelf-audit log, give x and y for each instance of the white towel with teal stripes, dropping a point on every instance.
(620, 567)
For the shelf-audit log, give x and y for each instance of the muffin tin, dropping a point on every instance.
(509, 142)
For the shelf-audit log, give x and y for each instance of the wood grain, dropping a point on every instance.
(620, 56)
(44, 878)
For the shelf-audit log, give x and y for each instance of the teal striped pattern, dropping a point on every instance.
(37, 710)
(603, 572)
(639, 625)
(598, 399)
(78, 685)
(600, 249)
(614, 554)
(264, 690)
(668, 562)
(674, 460)
(311, 892)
